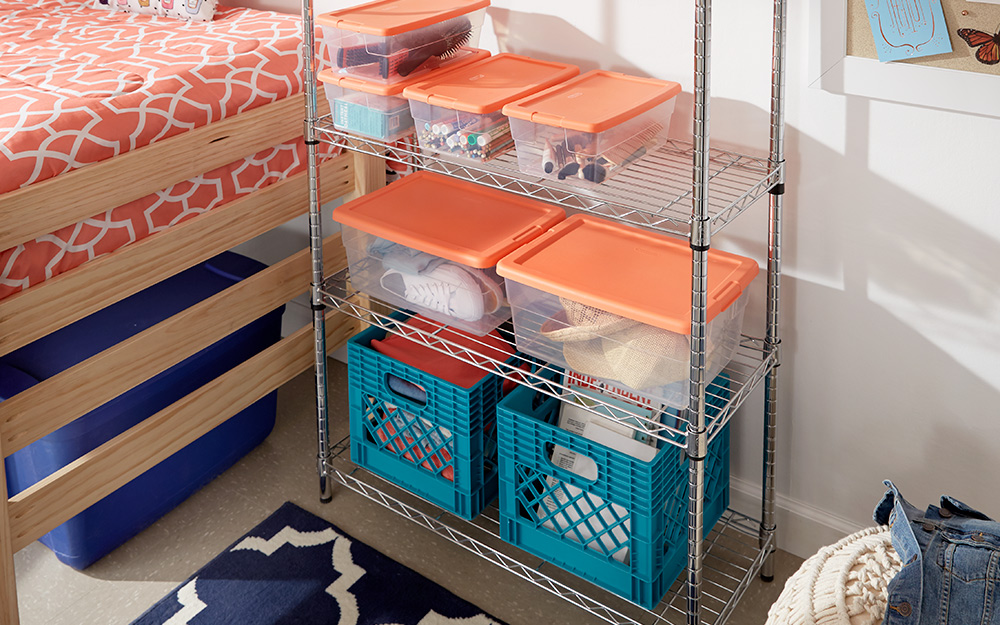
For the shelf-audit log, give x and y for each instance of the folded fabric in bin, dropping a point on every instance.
(603, 344)
(448, 368)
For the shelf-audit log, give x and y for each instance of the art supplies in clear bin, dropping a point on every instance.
(477, 137)
(460, 114)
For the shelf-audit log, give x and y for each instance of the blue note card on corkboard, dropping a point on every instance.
(907, 29)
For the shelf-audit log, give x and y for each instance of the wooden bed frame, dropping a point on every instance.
(44, 308)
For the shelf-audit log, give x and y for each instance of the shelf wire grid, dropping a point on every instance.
(747, 369)
(733, 555)
(653, 193)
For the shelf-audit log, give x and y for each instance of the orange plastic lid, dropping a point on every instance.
(386, 18)
(485, 86)
(593, 102)
(626, 271)
(457, 220)
(463, 57)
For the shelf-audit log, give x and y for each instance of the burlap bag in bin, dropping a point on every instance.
(605, 345)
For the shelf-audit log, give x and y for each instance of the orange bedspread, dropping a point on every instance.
(80, 85)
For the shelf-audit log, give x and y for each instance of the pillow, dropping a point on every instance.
(196, 10)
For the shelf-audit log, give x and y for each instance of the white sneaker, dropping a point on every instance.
(446, 289)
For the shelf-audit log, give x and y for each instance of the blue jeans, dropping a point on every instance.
(951, 563)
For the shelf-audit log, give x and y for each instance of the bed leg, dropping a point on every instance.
(8, 590)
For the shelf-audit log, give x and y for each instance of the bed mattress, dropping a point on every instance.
(80, 85)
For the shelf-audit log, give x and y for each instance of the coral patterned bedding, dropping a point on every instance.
(79, 85)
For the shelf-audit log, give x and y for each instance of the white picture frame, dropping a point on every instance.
(832, 70)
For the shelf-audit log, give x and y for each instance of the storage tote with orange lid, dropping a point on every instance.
(390, 40)
(377, 110)
(460, 114)
(589, 128)
(430, 244)
(613, 303)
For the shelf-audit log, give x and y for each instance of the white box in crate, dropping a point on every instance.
(613, 302)
(430, 243)
(589, 128)
(390, 40)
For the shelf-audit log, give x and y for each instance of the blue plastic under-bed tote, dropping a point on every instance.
(93, 533)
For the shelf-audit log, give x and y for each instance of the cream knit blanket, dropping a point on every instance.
(842, 584)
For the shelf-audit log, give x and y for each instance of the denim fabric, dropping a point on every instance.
(951, 563)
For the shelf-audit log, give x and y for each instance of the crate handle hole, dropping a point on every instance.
(406, 390)
(569, 465)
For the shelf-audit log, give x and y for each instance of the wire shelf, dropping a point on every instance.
(654, 193)
(747, 369)
(733, 556)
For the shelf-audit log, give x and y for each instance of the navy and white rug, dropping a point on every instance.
(296, 568)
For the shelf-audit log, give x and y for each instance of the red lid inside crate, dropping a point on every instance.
(630, 272)
(461, 221)
(486, 86)
(463, 56)
(386, 18)
(593, 102)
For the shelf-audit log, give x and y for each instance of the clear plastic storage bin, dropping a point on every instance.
(460, 114)
(374, 109)
(591, 127)
(390, 40)
(614, 303)
(430, 244)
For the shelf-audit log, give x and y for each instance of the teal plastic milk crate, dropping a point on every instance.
(443, 450)
(626, 531)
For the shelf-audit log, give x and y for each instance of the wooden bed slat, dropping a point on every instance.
(31, 314)
(52, 501)
(54, 402)
(82, 193)
(8, 588)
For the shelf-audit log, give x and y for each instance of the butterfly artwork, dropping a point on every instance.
(989, 45)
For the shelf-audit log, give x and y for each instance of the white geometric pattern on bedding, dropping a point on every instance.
(78, 85)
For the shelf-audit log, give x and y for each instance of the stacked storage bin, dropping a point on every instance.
(621, 319)
(459, 114)
(587, 129)
(430, 244)
(624, 528)
(619, 322)
(389, 41)
(374, 109)
(439, 442)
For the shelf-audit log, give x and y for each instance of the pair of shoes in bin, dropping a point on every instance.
(455, 290)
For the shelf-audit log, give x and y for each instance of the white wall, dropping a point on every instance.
(891, 294)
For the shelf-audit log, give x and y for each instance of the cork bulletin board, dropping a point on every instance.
(958, 14)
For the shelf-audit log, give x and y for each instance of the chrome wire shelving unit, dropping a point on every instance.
(733, 554)
(688, 189)
(654, 193)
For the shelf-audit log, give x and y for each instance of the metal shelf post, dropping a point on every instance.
(309, 63)
(773, 336)
(700, 241)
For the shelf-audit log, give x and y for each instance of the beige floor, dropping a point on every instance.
(122, 585)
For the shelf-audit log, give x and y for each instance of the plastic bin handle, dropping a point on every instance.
(547, 119)
(728, 294)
